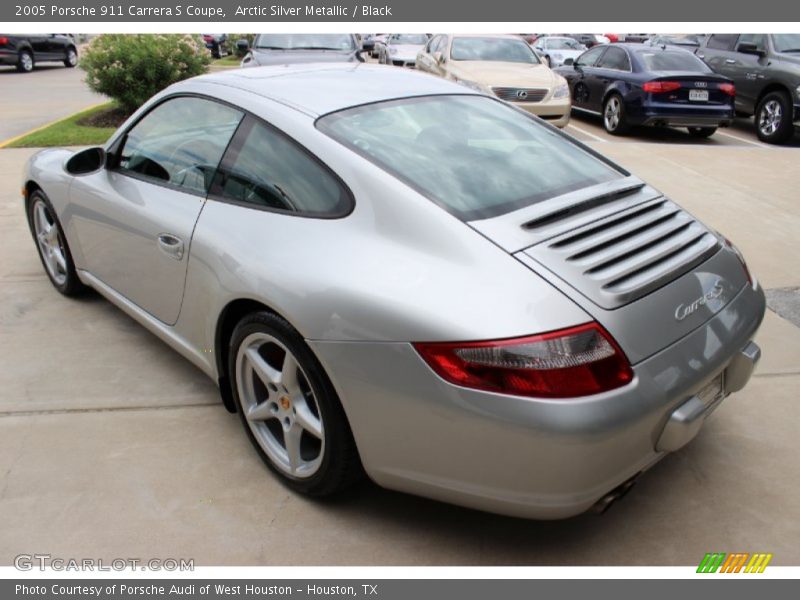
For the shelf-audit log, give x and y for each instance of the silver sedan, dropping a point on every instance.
(406, 278)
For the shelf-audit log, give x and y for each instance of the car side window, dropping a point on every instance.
(722, 41)
(590, 57)
(615, 58)
(265, 168)
(757, 39)
(180, 142)
(437, 44)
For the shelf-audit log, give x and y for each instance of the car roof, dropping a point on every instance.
(320, 88)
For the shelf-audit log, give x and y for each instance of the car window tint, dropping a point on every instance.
(673, 60)
(474, 156)
(589, 58)
(615, 58)
(271, 171)
(722, 41)
(757, 39)
(180, 142)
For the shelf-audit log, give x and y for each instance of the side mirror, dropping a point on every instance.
(438, 57)
(569, 62)
(86, 161)
(242, 45)
(748, 48)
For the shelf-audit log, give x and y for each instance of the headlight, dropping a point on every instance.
(562, 91)
(797, 89)
(471, 84)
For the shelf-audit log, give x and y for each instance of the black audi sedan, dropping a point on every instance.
(632, 84)
(26, 51)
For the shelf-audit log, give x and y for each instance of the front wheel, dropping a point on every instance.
(25, 62)
(52, 245)
(71, 58)
(289, 408)
(774, 118)
(614, 119)
(701, 132)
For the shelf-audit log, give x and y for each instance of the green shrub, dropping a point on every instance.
(132, 68)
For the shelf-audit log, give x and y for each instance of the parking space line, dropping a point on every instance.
(741, 139)
(584, 132)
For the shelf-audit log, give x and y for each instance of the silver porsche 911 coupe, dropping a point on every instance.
(392, 274)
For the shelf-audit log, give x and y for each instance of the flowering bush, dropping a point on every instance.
(131, 68)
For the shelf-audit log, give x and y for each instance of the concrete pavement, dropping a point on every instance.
(111, 445)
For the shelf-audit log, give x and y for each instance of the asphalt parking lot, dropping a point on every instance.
(112, 445)
(48, 93)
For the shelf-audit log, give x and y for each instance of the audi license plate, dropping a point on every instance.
(713, 392)
(698, 95)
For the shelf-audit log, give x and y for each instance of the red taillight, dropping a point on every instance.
(577, 361)
(727, 88)
(660, 87)
(3, 41)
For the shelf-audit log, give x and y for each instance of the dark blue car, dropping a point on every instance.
(632, 84)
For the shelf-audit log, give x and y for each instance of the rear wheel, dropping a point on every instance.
(52, 245)
(701, 132)
(614, 119)
(71, 58)
(289, 408)
(25, 61)
(774, 118)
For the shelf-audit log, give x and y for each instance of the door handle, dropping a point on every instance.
(170, 245)
(701, 55)
(730, 61)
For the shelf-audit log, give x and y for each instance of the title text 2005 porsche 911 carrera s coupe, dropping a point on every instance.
(401, 276)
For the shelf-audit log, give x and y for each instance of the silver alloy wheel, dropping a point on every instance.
(769, 120)
(72, 57)
(26, 60)
(612, 113)
(49, 241)
(279, 405)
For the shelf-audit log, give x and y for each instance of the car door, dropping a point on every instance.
(134, 220)
(613, 65)
(718, 53)
(425, 60)
(584, 80)
(40, 45)
(749, 70)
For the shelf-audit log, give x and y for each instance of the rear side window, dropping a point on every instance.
(615, 58)
(266, 169)
(677, 60)
(722, 41)
(474, 156)
(180, 142)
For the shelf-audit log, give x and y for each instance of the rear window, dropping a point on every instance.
(678, 60)
(474, 156)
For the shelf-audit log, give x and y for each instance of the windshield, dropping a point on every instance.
(563, 44)
(474, 156)
(412, 39)
(679, 60)
(492, 49)
(304, 41)
(787, 42)
(679, 40)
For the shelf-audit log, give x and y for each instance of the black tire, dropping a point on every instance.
(340, 465)
(71, 58)
(70, 285)
(774, 118)
(621, 125)
(701, 132)
(25, 61)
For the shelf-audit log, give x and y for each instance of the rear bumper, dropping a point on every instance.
(8, 57)
(529, 457)
(684, 115)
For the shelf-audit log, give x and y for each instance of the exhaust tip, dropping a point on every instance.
(601, 506)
